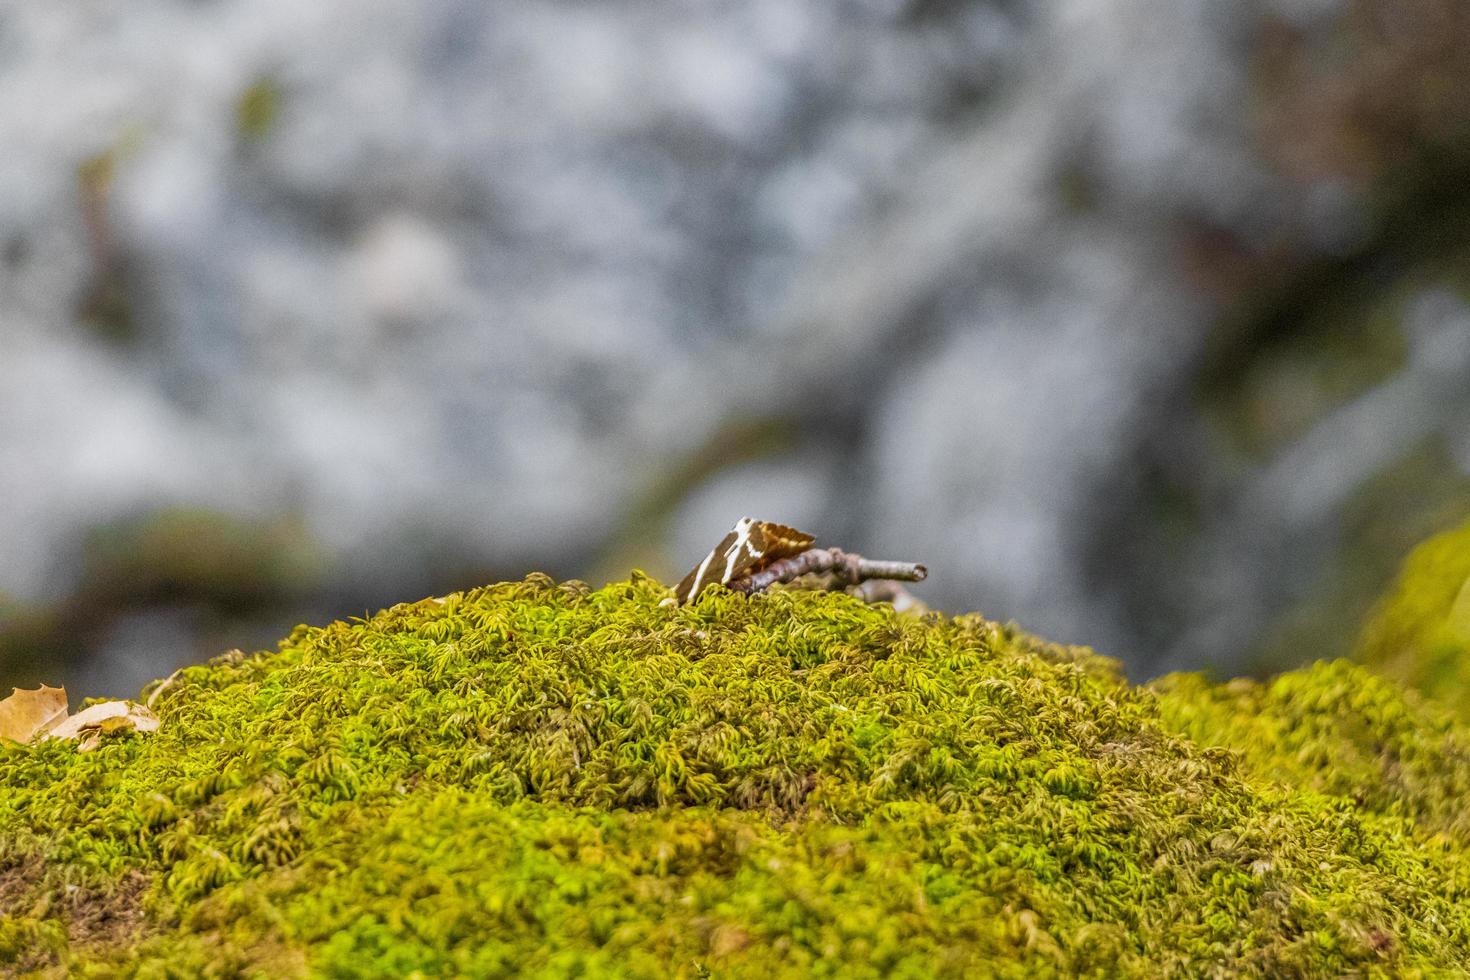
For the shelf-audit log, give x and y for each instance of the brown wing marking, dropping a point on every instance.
(777, 541)
(749, 547)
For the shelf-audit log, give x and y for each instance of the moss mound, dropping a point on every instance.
(541, 779)
(1339, 729)
(1420, 632)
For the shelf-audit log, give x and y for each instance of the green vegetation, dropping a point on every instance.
(1338, 729)
(225, 569)
(258, 108)
(187, 553)
(546, 780)
(1420, 633)
(1384, 519)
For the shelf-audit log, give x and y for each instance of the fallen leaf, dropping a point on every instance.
(107, 718)
(25, 713)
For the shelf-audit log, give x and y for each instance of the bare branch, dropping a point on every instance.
(887, 590)
(846, 569)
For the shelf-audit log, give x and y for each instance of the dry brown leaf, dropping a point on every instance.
(25, 713)
(107, 718)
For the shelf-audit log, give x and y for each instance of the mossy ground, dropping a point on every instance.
(1420, 633)
(535, 779)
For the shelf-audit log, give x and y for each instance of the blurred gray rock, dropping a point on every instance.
(465, 287)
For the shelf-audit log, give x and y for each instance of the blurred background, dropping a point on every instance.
(1144, 323)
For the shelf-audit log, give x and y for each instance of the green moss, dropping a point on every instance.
(223, 569)
(1385, 518)
(258, 108)
(185, 552)
(1269, 388)
(1336, 728)
(541, 779)
(33, 640)
(1420, 632)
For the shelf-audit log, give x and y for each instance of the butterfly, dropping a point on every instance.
(749, 547)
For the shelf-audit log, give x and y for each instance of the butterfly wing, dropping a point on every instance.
(777, 541)
(750, 546)
(732, 555)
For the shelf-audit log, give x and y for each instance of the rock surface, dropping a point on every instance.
(542, 778)
(470, 289)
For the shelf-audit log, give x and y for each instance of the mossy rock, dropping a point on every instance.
(1420, 632)
(535, 779)
(1338, 729)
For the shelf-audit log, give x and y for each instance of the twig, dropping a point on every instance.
(163, 685)
(847, 569)
(889, 591)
